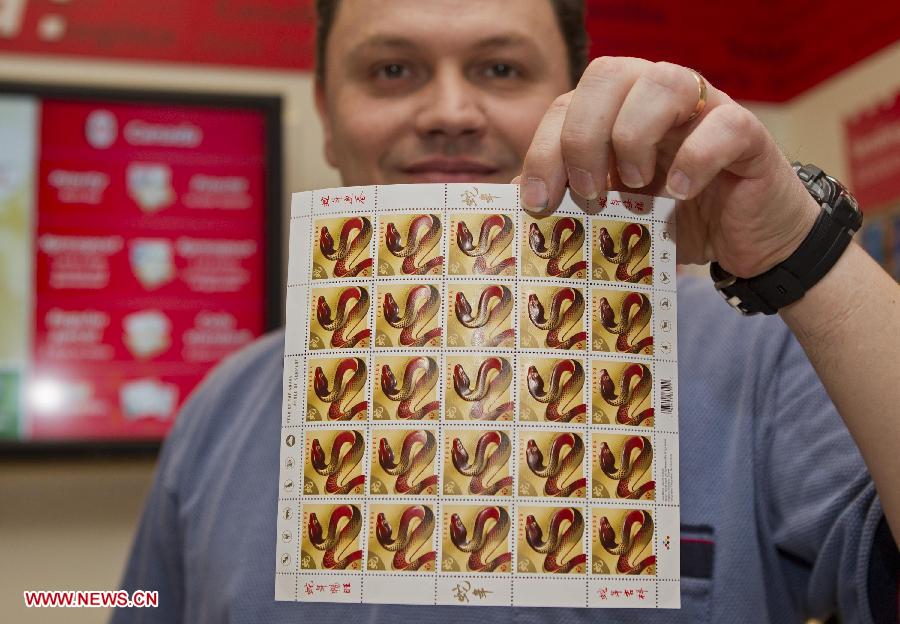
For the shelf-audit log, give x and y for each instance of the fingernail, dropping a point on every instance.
(631, 175)
(679, 185)
(582, 182)
(534, 195)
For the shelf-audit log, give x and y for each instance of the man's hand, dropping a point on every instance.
(742, 204)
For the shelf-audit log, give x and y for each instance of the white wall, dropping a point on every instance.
(67, 525)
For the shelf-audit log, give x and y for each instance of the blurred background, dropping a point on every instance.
(146, 163)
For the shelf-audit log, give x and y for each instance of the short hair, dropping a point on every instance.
(569, 17)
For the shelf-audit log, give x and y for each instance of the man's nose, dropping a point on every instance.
(451, 106)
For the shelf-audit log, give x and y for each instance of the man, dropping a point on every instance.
(781, 519)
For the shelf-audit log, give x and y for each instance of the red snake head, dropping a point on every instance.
(326, 242)
(391, 309)
(536, 238)
(535, 382)
(463, 307)
(315, 529)
(317, 455)
(607, 316)
(460, 380)
(607, 461)
(607, 386)
(385, 454)
(535, 309)
(392, 238)
(607, 534)
(533, 456)
(388, 381)
(320, 382)
(534, 535)
(464, 237)
(323, 311)
(459, 453)
(607, 246)
(457, 530)
(383, 530)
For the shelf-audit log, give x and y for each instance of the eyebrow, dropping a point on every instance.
(510, 40)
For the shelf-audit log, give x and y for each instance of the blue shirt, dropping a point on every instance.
(780, 519)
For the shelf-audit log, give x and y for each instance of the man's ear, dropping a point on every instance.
(322, 109)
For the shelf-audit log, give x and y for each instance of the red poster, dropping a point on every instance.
(873, 148)
(149, 261)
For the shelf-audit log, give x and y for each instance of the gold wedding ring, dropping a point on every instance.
(701, 96)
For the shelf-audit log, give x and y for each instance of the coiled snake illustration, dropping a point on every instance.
(485, 393)
(629, 471)
(423, 235)
(337, 542)
(345, 320)
(559, 322)
(407, 543)
(411, 465)
(489, 248)
(489, 318)
(348, 250)
(483, 544)
(630, 548)
(560, 250)
(558, 544)
(560, 394)
(558, 470)
(340, 464)
(629, 254)
(629, 325)
(631, 396)
(422, 304)
(410, 395)
(341, 393)
(484, 466)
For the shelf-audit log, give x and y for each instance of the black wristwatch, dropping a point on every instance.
(789, 280)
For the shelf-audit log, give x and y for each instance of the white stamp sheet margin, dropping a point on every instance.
(480, 408)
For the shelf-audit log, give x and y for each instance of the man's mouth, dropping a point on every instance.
(448, 170)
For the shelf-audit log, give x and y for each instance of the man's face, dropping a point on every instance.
(438, 90)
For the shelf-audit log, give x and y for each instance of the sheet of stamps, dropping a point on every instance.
(480, 407)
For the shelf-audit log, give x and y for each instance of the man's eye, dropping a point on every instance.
(501, 70)
(393, 71)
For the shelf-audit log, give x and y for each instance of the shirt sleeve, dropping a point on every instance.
(819, 501)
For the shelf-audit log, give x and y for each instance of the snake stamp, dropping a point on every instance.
(337, 389)
(552, 317)
(409, 244)
(476, 538)
(551, 390)
(402, 462)
(553, 247)
(491, 254)
(480, 316)
(621, 393)
(334, 462)
(622, 467)
(406, 388)
(551, 464)
(339, 318)
(343, 249)
(621, 322)
(622, 541)
(550, 540)
(409, 316)
(478, 388)
(620, 252)
(401, 538)
(476, 462)
(330, 537)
